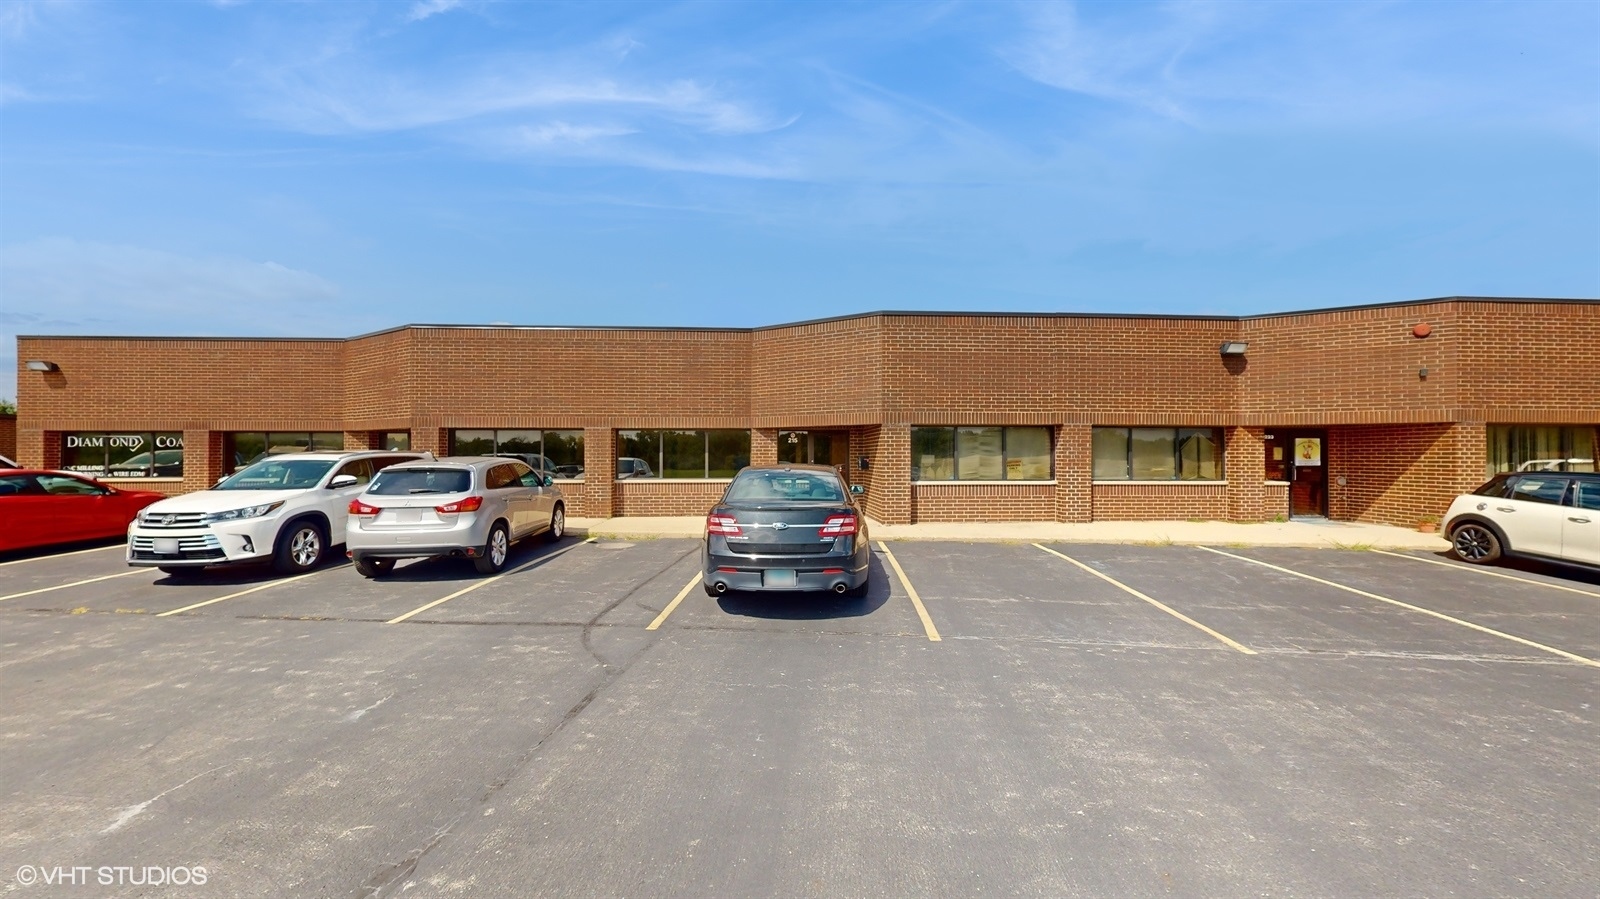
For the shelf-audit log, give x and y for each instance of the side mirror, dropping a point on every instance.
(857, 489)
(344, 480)
(548, 480)
(220, 480)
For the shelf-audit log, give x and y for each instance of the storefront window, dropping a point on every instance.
(558, 452)
(980, 454)
(1541, 448)
(682, 454)
(240, 448)
(1157, 454)
(124, 454)
(397, 441)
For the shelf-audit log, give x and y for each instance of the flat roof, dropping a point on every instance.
(897, 313)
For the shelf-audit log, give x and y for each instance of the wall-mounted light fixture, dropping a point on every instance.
(1423, 373)
(41, 365)
(1233, 348)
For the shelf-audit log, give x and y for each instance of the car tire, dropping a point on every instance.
(558, 524)
(374, 567)
(495, 552)
(301, 547)
(860, 590)
(1476, 543)
(179, 572)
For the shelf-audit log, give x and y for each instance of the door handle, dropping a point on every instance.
(1578, 520)
(1504, 509)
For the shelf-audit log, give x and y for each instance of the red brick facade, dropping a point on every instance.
(1404, 416)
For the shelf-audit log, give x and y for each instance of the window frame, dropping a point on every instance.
(658, 463)
(952, 438)
(542, 452)
(1219, 438)
(149, 445)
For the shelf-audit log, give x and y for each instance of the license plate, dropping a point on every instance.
(166, 546)
(779, 577)
(408, 516)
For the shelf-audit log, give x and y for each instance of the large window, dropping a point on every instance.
(124, 454)
(980, 454)
(1157, 454)
(1540, 448)
(240, 448)
(558, 452)
(682, 454)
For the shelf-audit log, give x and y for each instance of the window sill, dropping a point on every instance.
(672, 481)
(1271, 483)
(984, 483)
(1167, 483)
(106, 479)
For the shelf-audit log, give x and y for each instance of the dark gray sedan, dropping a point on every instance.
(787, 527)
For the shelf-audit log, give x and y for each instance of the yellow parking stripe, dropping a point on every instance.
(79, 552)
(1227, 641)
(487, 581)
(256, 589)
(922, 611)
(674, 604)
(1405, 605)
(1476, 570)
(73, 584)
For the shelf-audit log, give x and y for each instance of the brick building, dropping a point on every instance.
(1373, 413)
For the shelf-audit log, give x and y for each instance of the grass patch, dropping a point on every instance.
(1354, 547)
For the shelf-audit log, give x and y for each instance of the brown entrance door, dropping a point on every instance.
(815, 448)
(1308, 473)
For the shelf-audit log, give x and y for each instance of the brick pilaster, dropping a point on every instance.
(889, 496)
(1244, 464)
(599, 472)
(764, 446)
(1074, 461)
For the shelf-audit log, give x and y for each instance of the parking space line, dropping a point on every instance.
(674, 604)
(256, 589)
(73, 584)
(1475, 570)
(1405, 605)
(922, 611)
(488, 580)
(1225, 640)
(79, 552)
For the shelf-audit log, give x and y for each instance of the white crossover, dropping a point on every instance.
(283, 508)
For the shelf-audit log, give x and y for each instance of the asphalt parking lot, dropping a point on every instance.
(1012, 719)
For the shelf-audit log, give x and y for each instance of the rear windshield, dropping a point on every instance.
(1496, 486)
(407, 481)
(800, 486)
(278, 473)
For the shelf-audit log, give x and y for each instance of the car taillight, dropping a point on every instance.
(838, 526)
(357, 507)
(470, 504)
(726, 525)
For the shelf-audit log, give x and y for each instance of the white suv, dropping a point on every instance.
(1552, 515)
(283, 508)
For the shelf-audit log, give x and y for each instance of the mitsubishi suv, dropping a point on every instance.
(284, 509)
(1545, 514)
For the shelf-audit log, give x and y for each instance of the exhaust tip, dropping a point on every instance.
(721, 587)
(840, 587)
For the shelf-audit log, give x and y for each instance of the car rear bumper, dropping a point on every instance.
(812, 573)
(468, 533)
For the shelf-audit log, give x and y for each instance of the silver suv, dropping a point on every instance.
(468, 506)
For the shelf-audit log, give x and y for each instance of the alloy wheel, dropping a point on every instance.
(499, 547)
(305, 547)
(1472, 542)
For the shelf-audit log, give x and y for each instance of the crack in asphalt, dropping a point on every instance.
(386, 879)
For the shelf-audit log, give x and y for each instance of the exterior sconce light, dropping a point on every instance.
(41, 365)
(1423, 373)
(1233, 348)
(864, 463)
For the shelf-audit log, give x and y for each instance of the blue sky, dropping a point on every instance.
(277, 168)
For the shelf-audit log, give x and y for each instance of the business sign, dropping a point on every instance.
(1308, 451)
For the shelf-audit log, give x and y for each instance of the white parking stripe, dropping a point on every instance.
(1476, 570)
(73, 584)
(486, 582)
(1228, 641)
(256, 589)
(1405, 605)
(97, 549)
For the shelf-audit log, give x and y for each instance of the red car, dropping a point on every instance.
(38, 508)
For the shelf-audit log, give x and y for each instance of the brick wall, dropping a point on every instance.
(1405, 443)
(1170, 502)
(650, 496)
(8, 436)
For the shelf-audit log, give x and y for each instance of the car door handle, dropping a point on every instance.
(1578, 520)
(1504, 509)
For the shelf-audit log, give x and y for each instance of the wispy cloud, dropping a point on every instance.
(423, 9)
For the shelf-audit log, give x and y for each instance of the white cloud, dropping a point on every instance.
(64, 286)
(423, 9)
